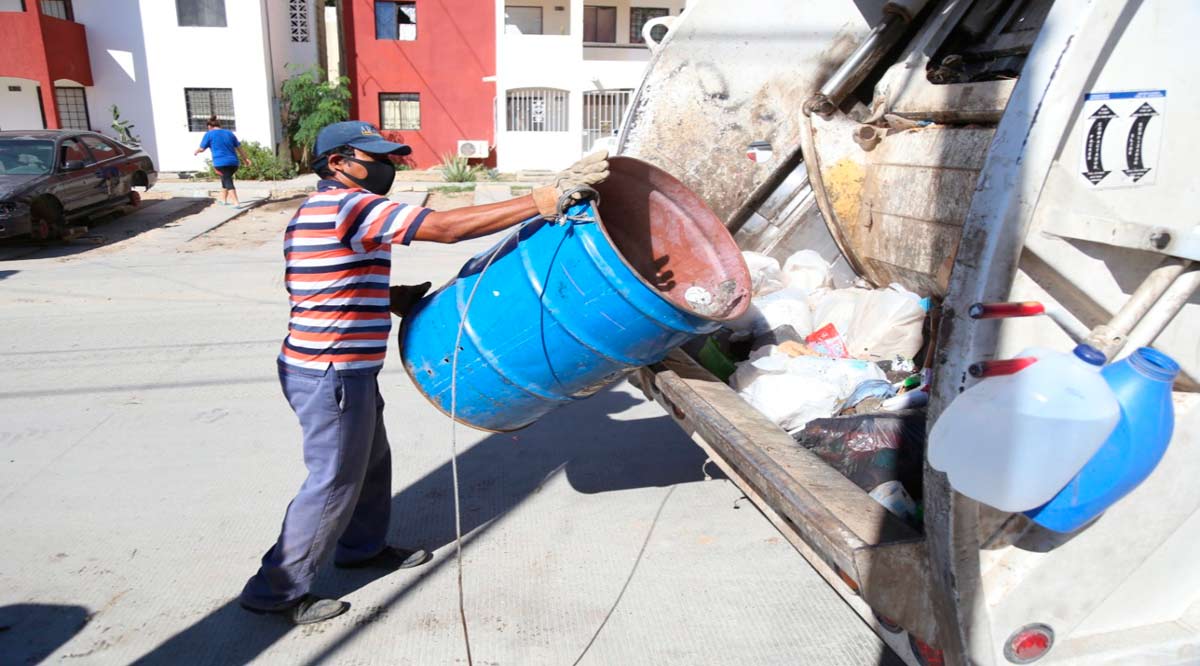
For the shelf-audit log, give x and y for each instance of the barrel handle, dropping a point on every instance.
(565, 202)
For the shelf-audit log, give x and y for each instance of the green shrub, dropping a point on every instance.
(453, 189)
(264, 165)
(458, 170)
(310, 103)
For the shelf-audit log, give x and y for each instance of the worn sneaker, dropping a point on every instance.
(308, 609)
(390, 558)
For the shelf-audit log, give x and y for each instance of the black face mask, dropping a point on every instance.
(380, 176)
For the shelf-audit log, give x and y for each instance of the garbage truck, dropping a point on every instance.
(969, 151)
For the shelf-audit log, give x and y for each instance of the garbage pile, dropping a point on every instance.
(834, 368)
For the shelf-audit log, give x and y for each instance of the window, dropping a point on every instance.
(399, 111)
(537, 110)
(600, 24)
(72, 108)
(523, 20)
(640, 16)
(298, 19)
(603, 111)
(205, 102)
(58, 9)
(201, 13)
(73, 151)
(395, 20)
(101, 149)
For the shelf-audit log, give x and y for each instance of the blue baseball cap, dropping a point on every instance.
(356, 134)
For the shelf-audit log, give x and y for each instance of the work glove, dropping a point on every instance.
(587, 172)
(403, 297)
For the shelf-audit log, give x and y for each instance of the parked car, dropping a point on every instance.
(51, 179)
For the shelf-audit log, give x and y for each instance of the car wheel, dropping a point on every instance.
(48, 221)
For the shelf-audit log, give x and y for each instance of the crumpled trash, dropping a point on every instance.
(765, 274)
(791, 391)
(778, 336)
(807, 270)
(876, 323)
(872, 388)
(871, 449)
(786, 307)
(828, 342)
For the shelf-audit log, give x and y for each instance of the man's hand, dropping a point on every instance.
(403, 297)
(589, 171)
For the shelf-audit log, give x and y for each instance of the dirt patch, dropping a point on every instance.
(259, 225)
(450, 200)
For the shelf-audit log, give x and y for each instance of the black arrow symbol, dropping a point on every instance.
(1095, 144)
(1134, 158)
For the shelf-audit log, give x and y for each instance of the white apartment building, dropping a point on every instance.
(566, 71)
(167, 65)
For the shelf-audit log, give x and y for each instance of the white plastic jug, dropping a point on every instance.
(1014, 441)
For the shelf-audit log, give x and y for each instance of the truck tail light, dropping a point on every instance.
(1029, 643)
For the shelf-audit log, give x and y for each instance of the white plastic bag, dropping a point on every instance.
(791, 391)
(887, 323)
(837, 307)
(765, 274)
(807, 270)
(786, 307)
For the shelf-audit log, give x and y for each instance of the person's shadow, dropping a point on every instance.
(597, 453)
(31, 632)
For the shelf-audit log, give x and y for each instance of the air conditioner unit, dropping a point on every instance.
(472, 149)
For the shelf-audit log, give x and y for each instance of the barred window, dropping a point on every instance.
(205, 102)
(72, 108)
(200, 13)
(298, 19)
(399, 111)
(639, 17)
(58, 9)
(537, 110)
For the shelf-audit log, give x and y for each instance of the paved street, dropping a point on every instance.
(147, 455)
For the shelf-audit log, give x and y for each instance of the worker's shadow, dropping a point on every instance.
(589, 442)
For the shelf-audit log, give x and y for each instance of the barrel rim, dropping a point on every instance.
(615, 162)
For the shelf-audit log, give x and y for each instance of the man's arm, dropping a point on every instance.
(462, 224)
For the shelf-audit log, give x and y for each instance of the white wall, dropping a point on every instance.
(19, 110)
(562, 62)
(333, 41)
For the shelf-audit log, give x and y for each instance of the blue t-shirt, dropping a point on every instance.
(222, 142)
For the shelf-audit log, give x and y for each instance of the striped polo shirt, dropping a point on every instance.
(338, 253)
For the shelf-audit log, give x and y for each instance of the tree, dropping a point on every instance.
(310, 102)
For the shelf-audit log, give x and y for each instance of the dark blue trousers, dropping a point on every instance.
(346, 499)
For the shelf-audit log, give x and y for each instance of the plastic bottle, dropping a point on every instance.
(1142, 385)
(1014, 441)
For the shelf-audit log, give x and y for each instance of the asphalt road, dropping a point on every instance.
(146, 457)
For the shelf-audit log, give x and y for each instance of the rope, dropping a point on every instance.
(562, 218)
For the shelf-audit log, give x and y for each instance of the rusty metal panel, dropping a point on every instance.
(724, 79)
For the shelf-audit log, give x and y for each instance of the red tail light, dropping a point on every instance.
(1029, 643)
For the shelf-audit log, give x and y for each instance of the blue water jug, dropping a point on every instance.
(1142, 385)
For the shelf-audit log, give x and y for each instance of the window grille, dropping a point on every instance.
(205, 102)
(537, 110)
(72, 108)
(603, 111)
(399, 111)
(639, 17)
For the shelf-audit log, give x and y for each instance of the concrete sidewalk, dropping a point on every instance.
(146, 457)
(282, 189)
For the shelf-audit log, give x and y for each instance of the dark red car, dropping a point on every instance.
(52, 179)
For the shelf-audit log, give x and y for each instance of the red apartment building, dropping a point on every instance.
(43, 43)
(423, 71)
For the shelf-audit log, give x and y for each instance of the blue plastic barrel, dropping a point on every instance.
(566, 308)
(1142, 386)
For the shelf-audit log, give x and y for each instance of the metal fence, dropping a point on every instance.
(603, 111)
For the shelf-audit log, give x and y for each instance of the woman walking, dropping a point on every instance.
(226, 149)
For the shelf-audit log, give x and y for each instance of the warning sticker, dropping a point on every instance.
(1122, 135)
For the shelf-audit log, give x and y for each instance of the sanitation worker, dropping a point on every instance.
(338, 251)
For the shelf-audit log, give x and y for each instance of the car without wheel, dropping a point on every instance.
(51, 180)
